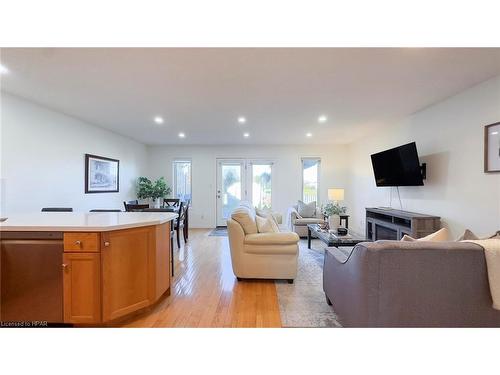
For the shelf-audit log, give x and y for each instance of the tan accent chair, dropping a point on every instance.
(298, 224)
(260, 255)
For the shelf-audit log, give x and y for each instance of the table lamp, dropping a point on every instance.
(336, 195)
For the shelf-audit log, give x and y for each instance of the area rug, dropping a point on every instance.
(303, 303)
(219, 232)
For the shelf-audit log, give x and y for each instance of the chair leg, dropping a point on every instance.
(172, 251)
(184, 232)
(172, 259)
(178, 239)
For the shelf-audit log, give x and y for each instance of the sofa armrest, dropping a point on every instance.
(340, 255)
(281, 238)
(294, 215)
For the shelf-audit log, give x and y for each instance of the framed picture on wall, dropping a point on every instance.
(492, 148)
(102, 175)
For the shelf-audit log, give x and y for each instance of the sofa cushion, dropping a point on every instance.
(265, 213)
(469, 235)
(441, 235)
(266, 225)
(246, 218)
(308, 220)
(282, 238)
(306, 210)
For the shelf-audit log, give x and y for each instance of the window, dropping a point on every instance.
(310, 179)
(182, 179)
(262, 185)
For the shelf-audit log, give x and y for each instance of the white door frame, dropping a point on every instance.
(246, 181)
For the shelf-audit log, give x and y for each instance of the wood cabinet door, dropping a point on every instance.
(82, 287)
(162, 260)
(128, 277)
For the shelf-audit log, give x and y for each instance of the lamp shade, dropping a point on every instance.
(336, 194)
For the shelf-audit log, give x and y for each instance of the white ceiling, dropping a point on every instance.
(281, 92)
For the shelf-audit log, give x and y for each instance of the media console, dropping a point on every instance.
(390, 224)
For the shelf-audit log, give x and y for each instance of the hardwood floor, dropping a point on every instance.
(205, 292)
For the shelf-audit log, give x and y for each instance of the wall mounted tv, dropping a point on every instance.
(398, 166)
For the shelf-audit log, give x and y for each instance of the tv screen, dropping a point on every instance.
(398, 166)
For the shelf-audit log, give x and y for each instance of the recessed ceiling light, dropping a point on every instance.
(246, 135)
(182, 135)
(494, 133)
(322, 119)
(309, 135)
(3, 69)
(159, 120)
(242, 120)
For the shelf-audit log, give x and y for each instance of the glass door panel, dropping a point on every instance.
(230, 189)
(261, 185)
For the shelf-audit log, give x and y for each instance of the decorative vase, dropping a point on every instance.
(155, 203)
(334, 222)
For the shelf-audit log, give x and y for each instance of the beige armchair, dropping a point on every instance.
(260, 255)
(298, 224)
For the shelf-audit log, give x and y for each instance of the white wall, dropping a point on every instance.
(449, 138)
(287, 173)
(43, 163)
(43, 159)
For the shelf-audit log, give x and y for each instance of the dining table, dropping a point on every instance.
(174, 209)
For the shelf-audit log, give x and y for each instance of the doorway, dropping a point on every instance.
(242, 179)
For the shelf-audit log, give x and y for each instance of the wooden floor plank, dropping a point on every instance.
(205, 292)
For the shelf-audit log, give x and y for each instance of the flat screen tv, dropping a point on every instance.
(398, 166)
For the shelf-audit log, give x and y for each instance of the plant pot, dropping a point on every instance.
(334, 222)
(155, 203)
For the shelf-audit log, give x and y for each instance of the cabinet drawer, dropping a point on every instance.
(81, 242)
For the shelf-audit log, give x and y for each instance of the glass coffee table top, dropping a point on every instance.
(331, 239)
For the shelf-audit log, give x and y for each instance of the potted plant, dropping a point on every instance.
(333, 211)
(147, 189)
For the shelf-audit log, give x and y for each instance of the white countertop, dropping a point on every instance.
(83, 222)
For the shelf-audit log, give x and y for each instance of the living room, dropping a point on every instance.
(240, 186)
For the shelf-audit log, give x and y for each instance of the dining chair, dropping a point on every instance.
(186, 219)
(126, 203)
(137, 207)
(105, 210)
(57, 209)
(171, 202)
(180, 224)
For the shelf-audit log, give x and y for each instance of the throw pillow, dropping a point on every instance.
(469, 235)
(266, 225)
(306, 210)
(261, 213)
(439, 236)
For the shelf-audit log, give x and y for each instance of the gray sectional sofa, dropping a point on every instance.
(410, 284)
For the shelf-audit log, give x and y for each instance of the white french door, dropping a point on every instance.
(242, 179)
(231, 189)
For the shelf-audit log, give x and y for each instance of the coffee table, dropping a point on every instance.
(331, 239)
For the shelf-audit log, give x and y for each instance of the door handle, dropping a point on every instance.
(64, 266)
(106, 243)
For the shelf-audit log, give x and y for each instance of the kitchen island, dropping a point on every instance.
(83, 268)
